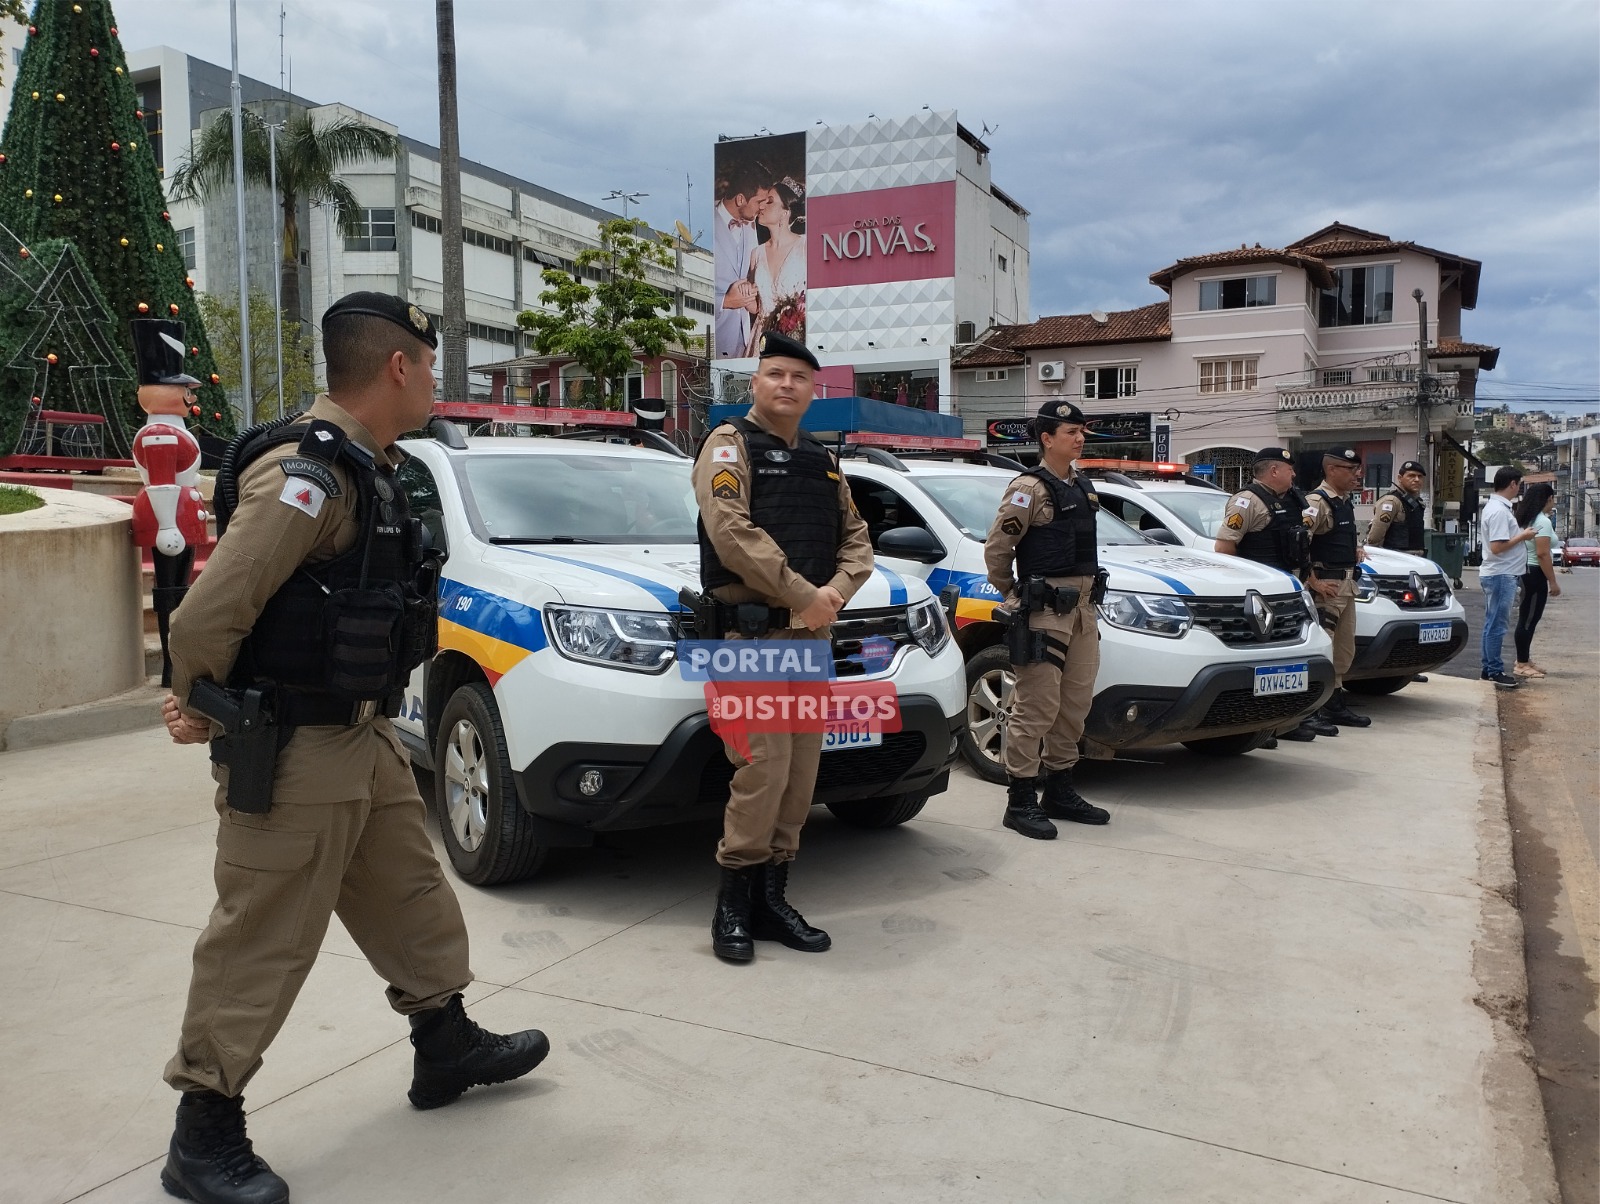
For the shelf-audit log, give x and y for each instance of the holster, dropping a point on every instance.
(249, 744)
(714, 620)
(1024, 645)
(1097, 592)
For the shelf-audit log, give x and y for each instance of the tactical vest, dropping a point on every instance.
(352, 627)
(794, 497)
(1284, 542)
(1336, 549)
(1413, 540)
(1065, 546)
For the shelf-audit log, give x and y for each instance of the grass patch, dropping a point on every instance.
(14, 499)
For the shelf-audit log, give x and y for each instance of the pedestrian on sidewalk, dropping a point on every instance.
(1504, 561)
(1539, 578)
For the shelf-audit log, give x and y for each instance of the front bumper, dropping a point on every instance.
(686, 776)
(1394, 650)
(1220, 701)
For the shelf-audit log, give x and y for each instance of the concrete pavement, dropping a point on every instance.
(1292, 975)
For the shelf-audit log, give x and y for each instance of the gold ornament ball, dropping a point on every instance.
(36, 96)
(119, 70)
(122, 242)
(57, 198)
(160, 248)
(77, 8)
(27, 192)
(215, 379)
(133, 146)
(144, 307)
(60, 96)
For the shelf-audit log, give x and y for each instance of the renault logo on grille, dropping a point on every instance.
(1419, 588)
(1259, 614)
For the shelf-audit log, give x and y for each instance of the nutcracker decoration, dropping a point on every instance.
(169, 514)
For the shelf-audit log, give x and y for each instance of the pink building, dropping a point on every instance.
(554, 380)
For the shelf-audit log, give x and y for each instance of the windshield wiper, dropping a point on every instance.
(520, 539)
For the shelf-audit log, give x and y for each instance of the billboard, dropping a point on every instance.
(759, 241)
(883, 235)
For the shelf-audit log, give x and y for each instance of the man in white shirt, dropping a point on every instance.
(733, 239)
(1504, 559)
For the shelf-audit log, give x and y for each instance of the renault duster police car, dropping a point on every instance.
(555, 709)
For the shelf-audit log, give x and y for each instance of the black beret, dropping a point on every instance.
(1345, 456)
(1061, 411)
(773, 345)
(391, 309)
(1275, 454)
(1412, 466)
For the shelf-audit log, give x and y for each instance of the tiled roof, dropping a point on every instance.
(1313, 267)
(1145, 324)
(1339, 241)
(1488, 356)
(993, 350)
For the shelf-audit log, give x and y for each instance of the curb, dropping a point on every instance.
(131, 711)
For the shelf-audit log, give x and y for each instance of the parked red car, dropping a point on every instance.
(1583, 551)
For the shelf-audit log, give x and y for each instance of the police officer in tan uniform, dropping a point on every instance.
(1046, 525)
(1336, 556)
(1399, 519)
(778, 532)
(328, 819)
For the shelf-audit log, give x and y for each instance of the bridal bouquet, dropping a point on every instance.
(788, 316)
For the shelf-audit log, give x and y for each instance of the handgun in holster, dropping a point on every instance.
(1025, 645)
(714, 620)
(249, 743)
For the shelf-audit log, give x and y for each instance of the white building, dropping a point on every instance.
(1578, 481)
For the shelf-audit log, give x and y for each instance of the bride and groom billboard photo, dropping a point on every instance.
(759, 241)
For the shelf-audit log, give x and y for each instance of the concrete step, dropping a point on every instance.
(137, 708)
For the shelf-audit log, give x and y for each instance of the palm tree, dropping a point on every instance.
(310, 157)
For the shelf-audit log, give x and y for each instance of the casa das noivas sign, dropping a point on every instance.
(871, 236)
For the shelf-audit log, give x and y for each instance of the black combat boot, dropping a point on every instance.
(210, 1159)
(453, 1053)
(772, 918)
(1023, 813)
(1337, 712)
(1061, 801)
(730, 923)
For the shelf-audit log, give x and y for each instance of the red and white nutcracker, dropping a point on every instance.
(169, 515)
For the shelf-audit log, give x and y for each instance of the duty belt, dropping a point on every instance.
(1326, 573)
(729, 618)
(321, 710)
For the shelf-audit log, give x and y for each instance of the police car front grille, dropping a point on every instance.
(1396, 588)
(1226, 619)
(1408, 654)
(1242, 707)
(844, 767)
(890, 623)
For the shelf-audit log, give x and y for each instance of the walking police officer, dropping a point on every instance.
(782, 550)
(1046, 524)
(1397, 519)
(291, 649)
(1336, 555)
(1264, 522)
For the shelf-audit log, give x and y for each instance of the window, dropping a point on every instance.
(491, 334)
(1001, 260)
(1122, 381)
(477, 238)
(1247, 292)
(669, 382)
(699, 306)
(423, 222)
(374, 231)
(882, 509)
(1359, 297)
(988, 374)
(186, 246)
(147, 97)
(546, 260)
(1228, 376)
(16, 56)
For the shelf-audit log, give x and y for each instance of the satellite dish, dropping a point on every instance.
(684, 236)
(1099, 316)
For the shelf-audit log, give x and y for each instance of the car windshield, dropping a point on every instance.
(972, 501)
(581, 499)
(1199, 509)
(1583, 543)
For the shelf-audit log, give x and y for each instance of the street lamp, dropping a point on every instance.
(627, 198)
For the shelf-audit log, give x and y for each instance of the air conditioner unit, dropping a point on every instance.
(966, 332)
(1053, 370)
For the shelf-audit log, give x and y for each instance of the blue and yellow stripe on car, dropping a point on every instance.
(978, 598)
(495, 631)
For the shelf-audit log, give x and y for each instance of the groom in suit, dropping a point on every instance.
(733, 240)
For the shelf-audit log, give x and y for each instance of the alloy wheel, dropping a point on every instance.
(466, 773)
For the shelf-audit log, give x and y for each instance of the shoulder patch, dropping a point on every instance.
(303, 495)
(728, 454)
(724, 484)
(1012, 525)
(322, 440)
(1022, 498)
(301, 466)
(1234, 522)
(1243, 500)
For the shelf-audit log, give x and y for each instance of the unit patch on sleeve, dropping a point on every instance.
(1235, 522)
(1012, 526)
(725, 484)
(303, 495)
(300, 466)
(726, 454)
(1022, 498)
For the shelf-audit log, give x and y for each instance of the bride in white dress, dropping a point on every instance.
(778, 266)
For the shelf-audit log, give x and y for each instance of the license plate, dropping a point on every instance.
(1282, 679)
(839, 736)
(1433, 633)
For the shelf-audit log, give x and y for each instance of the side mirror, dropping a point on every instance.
(911, 543)
(433, 538)
(1162, 535)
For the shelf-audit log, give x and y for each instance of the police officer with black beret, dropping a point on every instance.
(1336, 556)
(1399, 518)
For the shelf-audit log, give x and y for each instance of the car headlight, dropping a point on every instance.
(1310, 604)
(641, 641)
(1153, 614)
(928, 627)
(1366, 587)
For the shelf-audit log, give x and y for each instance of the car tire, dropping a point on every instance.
(487, 834)
(888, 812)
(1227, 746)
(989, 684)
(1374, 686)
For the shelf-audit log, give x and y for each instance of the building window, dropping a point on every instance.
(669, 382)
(186, 246)
(477, 238)
(374, 231)
(1247, 292)
(148, 98)
(491, 334)
(1110, 382)
(1228, 376)
(423, 222)
(1359, 297)
(1001, 260)
(699, 306)
(988, 374)
(16, 56)
(547, 260)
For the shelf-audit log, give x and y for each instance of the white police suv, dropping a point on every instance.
(555, 710)
(1407, 619)
(1208, 651)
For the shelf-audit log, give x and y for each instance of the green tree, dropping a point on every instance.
(75, 165)
(603, 325)
(1507, 447)
(310, 157)
(299, 375)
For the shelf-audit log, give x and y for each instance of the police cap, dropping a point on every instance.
(1342, 456)
(391, 309)
(1061, 411)
(774, 345)
(1277, 455)
(1412, 466)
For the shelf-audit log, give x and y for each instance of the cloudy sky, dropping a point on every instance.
(1136, 131)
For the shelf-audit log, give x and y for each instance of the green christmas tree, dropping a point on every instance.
(75, 165)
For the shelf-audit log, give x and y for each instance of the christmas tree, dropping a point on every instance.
(75, 165)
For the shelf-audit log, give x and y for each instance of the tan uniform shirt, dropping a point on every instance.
(1243, 514)
(722, 491)
(1027, 503)
(1389, 510)
(1319, 519)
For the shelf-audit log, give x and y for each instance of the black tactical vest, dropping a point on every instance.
(1412, 539)
(1065, 546)
(794, 497)
(1336, 549)
(1284, 542)
(352, 627)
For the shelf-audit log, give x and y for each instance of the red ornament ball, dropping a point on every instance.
(217, 416)
(113, 31)
(93, 53)
(188, 281)
(194, 351)
(32, 29)
(139, 113)
(165, 216)
(38, 401)
(24, 252)
(2, 160)
(144, 308)
(195, 410)
(116, 146)
(51, 358)
(215, 379)
(173, 309)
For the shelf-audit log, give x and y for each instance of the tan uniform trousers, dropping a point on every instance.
(363, 854)
(770, 797)
(1050, 702)
(1338, 618)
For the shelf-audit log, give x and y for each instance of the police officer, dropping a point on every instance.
(1264, 522)
(1046, 525)
(778, 532)
(319, 550)
(1336, 555)
(1397, 519)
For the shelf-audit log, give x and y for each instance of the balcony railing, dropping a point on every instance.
(1319, 393)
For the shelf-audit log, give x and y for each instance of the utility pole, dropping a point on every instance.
(277, 260)
(455, 285)
(246, 405)
(1424, 456)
